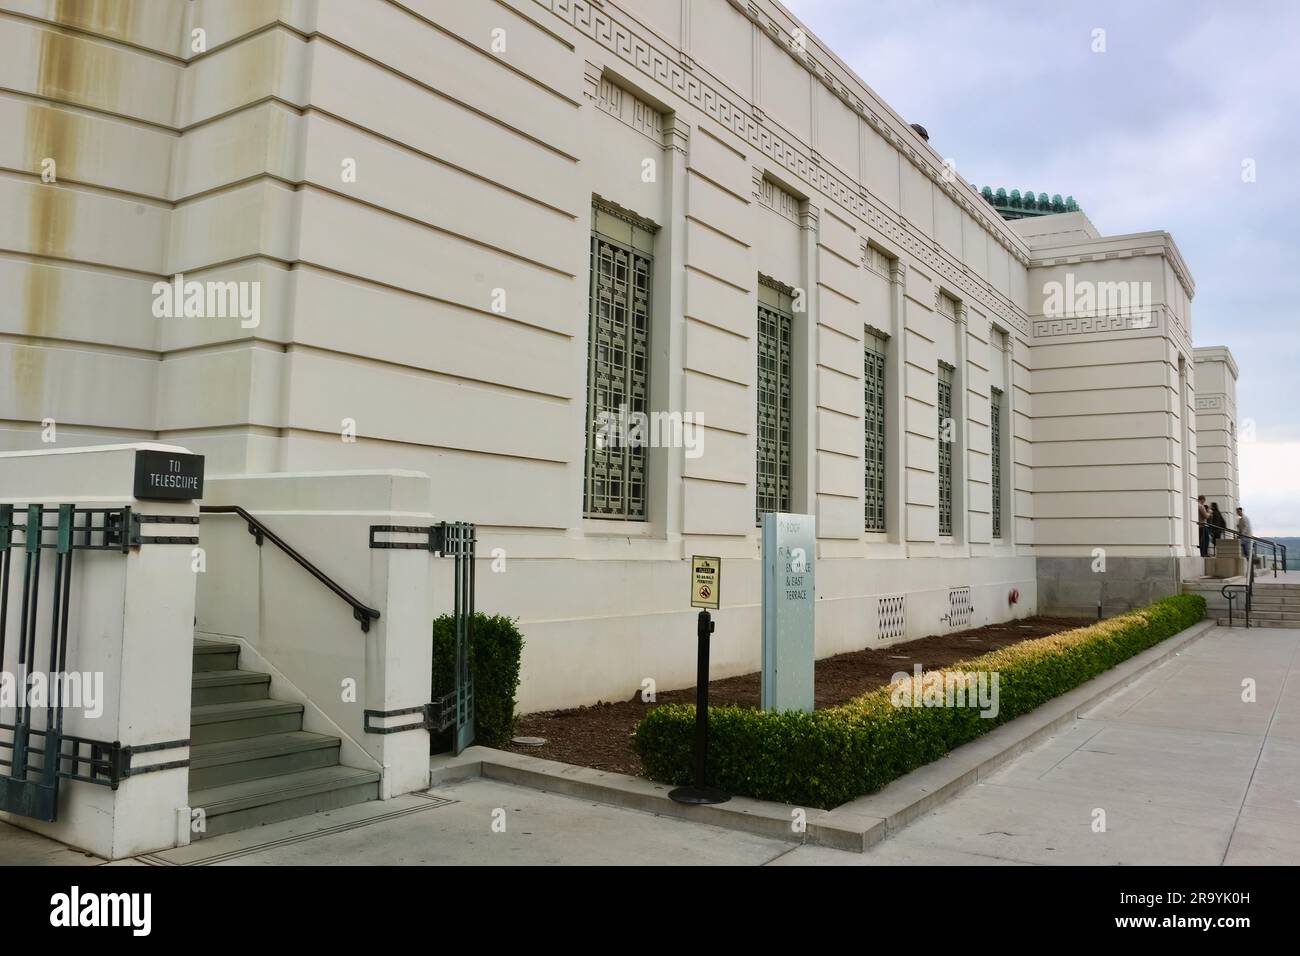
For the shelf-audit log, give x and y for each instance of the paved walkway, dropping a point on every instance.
(1184, 770)
(455, 825)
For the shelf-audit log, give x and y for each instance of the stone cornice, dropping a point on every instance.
(1126, 247)
(849, 88)
(1216, 353)
(598, 23)
(1120, 247)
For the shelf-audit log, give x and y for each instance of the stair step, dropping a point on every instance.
(1239, 621)
(224, 687)
(1257, 615)
(254, 758)
(238, 806)
(239, 719)
(215, 655)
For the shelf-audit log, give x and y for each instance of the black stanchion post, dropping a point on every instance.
(701, 793)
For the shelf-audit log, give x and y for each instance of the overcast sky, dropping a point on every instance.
(1150, 134)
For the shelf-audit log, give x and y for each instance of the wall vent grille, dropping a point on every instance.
(891, 617)
(960, 608)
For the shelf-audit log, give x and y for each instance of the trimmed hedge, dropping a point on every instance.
(495, 648)
(827, 757)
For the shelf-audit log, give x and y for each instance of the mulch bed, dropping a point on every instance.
(599, 736)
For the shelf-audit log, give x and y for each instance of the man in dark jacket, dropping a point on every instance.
(1217, 526)
(1203, 525)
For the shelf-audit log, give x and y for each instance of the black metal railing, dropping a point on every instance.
(35, 752)
(1277, 549)
(453, 711)
(1231, 591)
(260, 532)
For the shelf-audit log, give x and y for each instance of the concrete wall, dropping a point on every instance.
(436, 301)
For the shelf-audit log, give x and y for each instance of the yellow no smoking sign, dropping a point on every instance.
(706, 581)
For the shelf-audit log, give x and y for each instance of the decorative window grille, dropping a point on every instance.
(772, 475)
(960, 607)
(995, 423)
(873, 428)
(891, 618)
(946, 432)
(617, 363)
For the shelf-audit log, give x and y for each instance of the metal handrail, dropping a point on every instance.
(1275, 546)
(1229, 591)
(259, 531)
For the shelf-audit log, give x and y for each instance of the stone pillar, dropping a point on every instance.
(961, 405)
(896, 415)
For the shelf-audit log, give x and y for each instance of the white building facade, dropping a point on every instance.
(465, 236)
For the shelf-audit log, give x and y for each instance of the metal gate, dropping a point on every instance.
(453, 711)
(35, 753)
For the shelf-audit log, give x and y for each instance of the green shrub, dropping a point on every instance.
(495, 649)
(828, 757)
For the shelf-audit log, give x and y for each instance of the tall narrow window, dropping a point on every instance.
(947, 432)
(772, 475)
(995, 426)
(617, 364)
(873, 431)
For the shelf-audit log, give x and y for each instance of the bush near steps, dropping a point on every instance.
(825, 758)
(496, 646)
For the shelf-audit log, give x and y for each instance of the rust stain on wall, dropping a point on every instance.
(109, 18)
(69, 69)
(73, 69)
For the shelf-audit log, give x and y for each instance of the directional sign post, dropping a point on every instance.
(706, 593)
(789, 602)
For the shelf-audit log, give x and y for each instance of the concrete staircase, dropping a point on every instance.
(250, 760)
(1276, 604)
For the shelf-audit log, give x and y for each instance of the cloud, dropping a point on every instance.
(1150, 134)
(1270, 486)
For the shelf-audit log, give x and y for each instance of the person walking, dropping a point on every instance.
(1203, 525)
(1243, 528)
(1218, 524)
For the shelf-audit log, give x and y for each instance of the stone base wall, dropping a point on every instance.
(1070, 587)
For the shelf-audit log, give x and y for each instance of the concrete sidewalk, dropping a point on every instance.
(472, 823)
(1183, 769)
